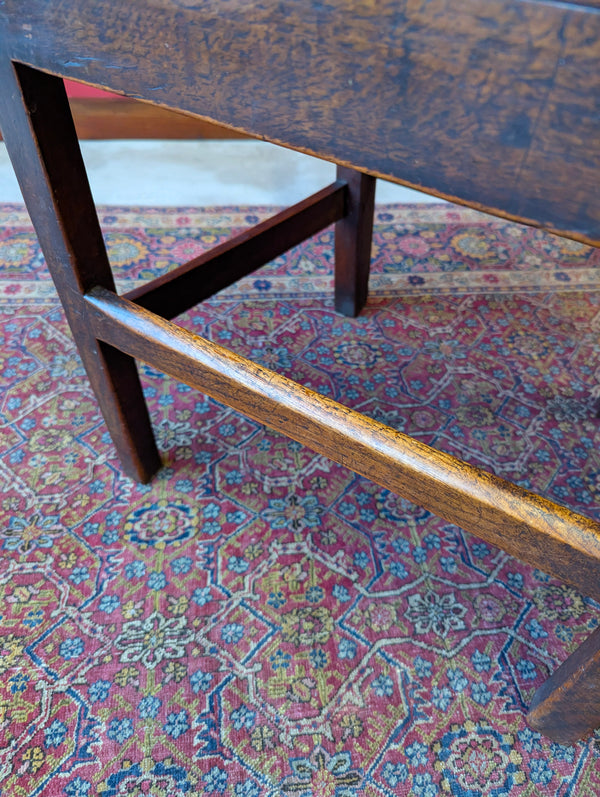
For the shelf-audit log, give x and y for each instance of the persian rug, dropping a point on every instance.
(259, 621)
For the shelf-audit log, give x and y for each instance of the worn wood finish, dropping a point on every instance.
(192, 282)
(567, 703)
(353, 236)
(493, 102)
(546, 535)
(42, 144)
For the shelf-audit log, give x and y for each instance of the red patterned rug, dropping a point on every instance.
(259, 621)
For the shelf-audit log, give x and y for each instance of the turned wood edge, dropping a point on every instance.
(539, 532)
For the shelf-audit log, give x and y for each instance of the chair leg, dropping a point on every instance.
(41, 141)
(567, 706)
(353, 236)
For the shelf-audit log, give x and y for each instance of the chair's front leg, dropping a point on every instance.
(567, 706)
(40, 137)
(353, 236)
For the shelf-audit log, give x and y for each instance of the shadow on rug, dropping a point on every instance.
(259, 621)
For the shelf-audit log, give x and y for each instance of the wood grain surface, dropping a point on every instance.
(538, 531)
(492, 102)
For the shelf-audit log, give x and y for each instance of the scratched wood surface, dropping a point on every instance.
(495, 102)
(492, 102)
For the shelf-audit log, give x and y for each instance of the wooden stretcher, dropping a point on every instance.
(490, 103)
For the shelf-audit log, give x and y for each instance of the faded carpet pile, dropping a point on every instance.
(259, 621)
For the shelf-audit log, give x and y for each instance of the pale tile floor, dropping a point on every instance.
(201, 173)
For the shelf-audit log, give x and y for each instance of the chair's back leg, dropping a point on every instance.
(40, 137)
(353, 235)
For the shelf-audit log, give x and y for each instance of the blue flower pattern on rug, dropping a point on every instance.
(259, 621)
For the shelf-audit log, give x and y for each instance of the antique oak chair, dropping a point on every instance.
(493, 103)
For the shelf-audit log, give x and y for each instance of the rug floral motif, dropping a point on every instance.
(258, 620)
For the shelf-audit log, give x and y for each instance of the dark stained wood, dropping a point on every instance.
(566, 707)
(192, 282)
(43, 147)
(544, 534)
(353, 236)
(491, 102)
